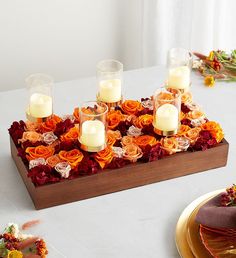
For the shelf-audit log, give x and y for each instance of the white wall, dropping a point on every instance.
(131, 33)
(64, 38)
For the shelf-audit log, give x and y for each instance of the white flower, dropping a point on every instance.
(193, 106)
(14, 230)
(147, 104)
(198, 122)
(134, 131)
(63, 168)
(49, 138)
(197, 64)
(118, 151)
(183, 143)
(35, 162)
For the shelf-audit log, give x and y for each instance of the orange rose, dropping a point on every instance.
(214, 129)
(169, 144)
(132, 152)
(71, 135)
(196, 114)
(115, 134)
(48, 126)
(31, 136)
(73, 157)
(144, 140)
(183, 129)
(182, 116)
(76, 114)
(186, 98)
(39, 152)
(104, 157)
(192, 134)
(53, 160)
(56, 118)
(127, 140)
(110, 140)
(131, 107)
(31, 126)
(114, 117)
(165, 96)
(93, 110)
(112, 137)
(143, 120)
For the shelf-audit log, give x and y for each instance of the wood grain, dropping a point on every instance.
(130, 176)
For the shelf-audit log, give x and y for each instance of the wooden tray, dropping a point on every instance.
(130, 176)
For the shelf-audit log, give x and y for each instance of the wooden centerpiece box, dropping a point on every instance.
(130, 176)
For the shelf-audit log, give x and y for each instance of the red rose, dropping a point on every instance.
(117, 163)
(185, 109)
(63, 127)
(152, 153)
(88, 167)
(43, 174)
(16, 131)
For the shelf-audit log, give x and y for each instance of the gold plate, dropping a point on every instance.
(187, 238)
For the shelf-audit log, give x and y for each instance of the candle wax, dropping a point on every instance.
(93, 133)
(167, 118)
(110, 90)
(40, 105)
(179, 77)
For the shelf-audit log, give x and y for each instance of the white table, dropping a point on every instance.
(136, 223)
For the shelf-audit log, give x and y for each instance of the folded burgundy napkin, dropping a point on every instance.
(212, 214)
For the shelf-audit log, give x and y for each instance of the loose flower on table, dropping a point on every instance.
(14, 243)
(217, 66)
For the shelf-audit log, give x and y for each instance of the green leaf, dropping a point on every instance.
(233, 54)
(3, 250)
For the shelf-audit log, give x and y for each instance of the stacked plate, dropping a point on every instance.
(197, 241)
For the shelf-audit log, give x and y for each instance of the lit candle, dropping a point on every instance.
(179, 78)
(167, 118)
(93, 133)
(110, 90)
(40, 105)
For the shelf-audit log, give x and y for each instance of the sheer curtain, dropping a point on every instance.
(199, 25)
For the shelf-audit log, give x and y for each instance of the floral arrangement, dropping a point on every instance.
(217, 66)
(15, 244)
(51, 150)
(228, 198)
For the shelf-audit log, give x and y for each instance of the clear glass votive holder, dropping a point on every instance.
(110, 82)
(179, 66)
(40, 99)
(93, 129)
(166, 113)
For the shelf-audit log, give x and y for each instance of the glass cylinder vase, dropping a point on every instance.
(167, 105)
(93, 129)
(110, 82)
(40, 102)
(179, 65)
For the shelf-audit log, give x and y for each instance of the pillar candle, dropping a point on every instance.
(179, 77)
(167, 118)
(93, 133)
(110, 90)
(40, 105)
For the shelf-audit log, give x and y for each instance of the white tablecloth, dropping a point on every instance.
(136, 223)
